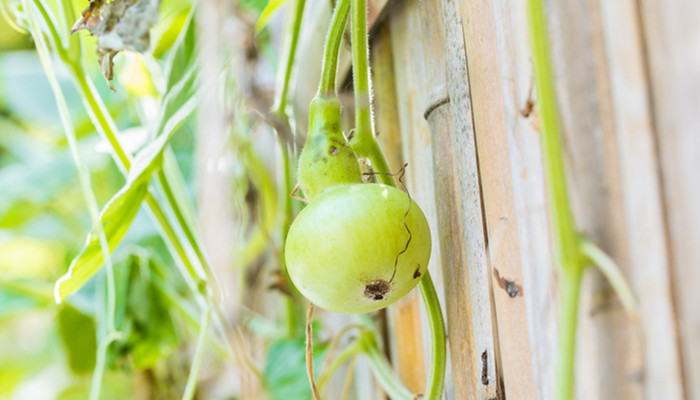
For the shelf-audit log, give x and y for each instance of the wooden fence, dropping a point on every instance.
(453, 97)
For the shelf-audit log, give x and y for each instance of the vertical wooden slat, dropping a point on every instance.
(538, 279)
(672, 35)
(490, 125)
(642, 201)
(481, 382)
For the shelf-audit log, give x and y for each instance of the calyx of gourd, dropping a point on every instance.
(327, 158)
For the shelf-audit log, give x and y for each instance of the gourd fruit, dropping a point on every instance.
(357, 247)
(343, 248)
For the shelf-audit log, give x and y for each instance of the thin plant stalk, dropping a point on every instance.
(565, 237)
(198, 355)
(365, 145)
(329, 69)
(385, 375)
(279, 110)
(96, 385)
(572, 251)
(88, 194)
(347, 352)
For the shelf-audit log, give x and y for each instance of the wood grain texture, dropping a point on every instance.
(490, 125)
(529, 200)
(672, 37)
(643, 206)
(481, 360)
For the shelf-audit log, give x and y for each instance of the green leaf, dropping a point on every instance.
(285, 368)
(115, 218)
(183, 56)
(79, 337)
(145, 317)
(12, 374)
(116, 385)
(179, 102)
(267, 13)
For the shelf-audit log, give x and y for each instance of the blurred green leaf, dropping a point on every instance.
(115, 386)
(285, 368)
(183, 55)
(145, 317)
(79, 337)
(12, 374)
(115, 218)
(267, 13)
(30, 257)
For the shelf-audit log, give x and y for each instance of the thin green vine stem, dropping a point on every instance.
(198, 355)
(438, 343)
(96, 384)
(365, 145)
(385, 375)
(86, 188)
(279, 110)
(567, 249)
(329, 69)
(564, 231)
(189, 233)
(568, 323)
(280, 104)
(363, 142)
(612, 273)
(350, 350)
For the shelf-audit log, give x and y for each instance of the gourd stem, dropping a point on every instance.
(365, 144)
(438, 345)
(360, 70)
(332, 47)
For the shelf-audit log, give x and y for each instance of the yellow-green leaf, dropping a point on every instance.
(267, 13)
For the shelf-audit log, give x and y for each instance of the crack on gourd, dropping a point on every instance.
(401, 174)
(377, 289)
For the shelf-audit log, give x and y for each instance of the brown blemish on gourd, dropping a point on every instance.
(377, 289)
(417, 274)
(333, 151)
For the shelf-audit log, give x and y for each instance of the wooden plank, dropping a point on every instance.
(490, 125)
(479, 359)
(672, 35)
(405, 325)
(642, 202)
(529, 200)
